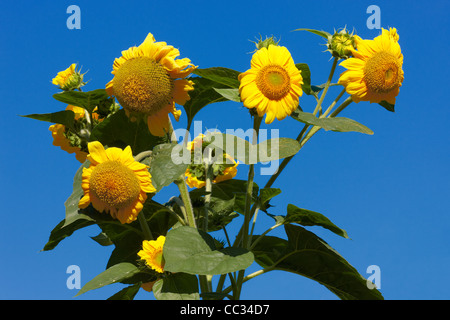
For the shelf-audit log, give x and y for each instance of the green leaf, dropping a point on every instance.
(323, 34)
(87, 100)
(311, 218)
(127, 293)
(229, 94)
(277, 148)
(243, 151)
(306, 254)
(265, 195)
(204, 93)
(192, 251)
(338, 124)
(118, 131)
(102, 239)
(111, 275)
(71, 204)
(388, 106)
(225, 76)
(62, 231)
(177, 286)
(127, 238)
(220, 213)
(164, 169)
(306, 75)
(65, 117)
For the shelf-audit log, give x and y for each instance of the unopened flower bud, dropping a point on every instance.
(341, 44)
(69, 79)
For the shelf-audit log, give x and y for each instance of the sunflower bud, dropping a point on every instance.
(69, 79)
(266, 43)
(341, 44)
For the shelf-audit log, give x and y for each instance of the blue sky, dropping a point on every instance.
(389, 191)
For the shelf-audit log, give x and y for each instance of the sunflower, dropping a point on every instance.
(65, 139)
(272, 85)
(374, 73)
(69, 79)
(149, 80)
(195, 173)
(152, 254)
(115, 182)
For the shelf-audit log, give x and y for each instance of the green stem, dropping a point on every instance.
(144, 154)
(248, 200)
(144, 226)
(181, 184)
(333, 104)
(250, 276)
(184, 193)
(208, 188)
(327, 84)
(341, 107)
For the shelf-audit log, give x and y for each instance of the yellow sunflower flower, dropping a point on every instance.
(152, 254)
(60, 135)
(69, 79)
(115, 182)
(374, 73)
(195, 173)
(149, 80)
(273, 85)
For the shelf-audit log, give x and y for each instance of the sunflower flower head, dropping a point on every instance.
(152, 254)
(374, 73)
(223, 169)
(115, 183)
(341, 44)
(71, 141)
(272, 85)
(149, 80)
(69, 79)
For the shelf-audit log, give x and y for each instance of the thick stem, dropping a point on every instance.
(144, 226)
(184, 193)
(208, 188)
(248, 200)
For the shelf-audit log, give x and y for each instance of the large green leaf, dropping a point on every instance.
(65, 117)
(164, 169)
(265, 195)
(87, 100)
(243, 151)
(192, 251)
(119, 131)
(229, 94)
(127, 238)
(177, 286)
(224, 76)
(311, 218)
(62, 231)
(339, 124)
(306, 254)
(114, 274)
(127, 293)
(71, 204)
(204, 93)
(306, 75)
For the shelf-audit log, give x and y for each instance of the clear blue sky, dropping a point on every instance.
(389, 191)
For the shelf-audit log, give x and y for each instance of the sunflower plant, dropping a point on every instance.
(125, 140)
